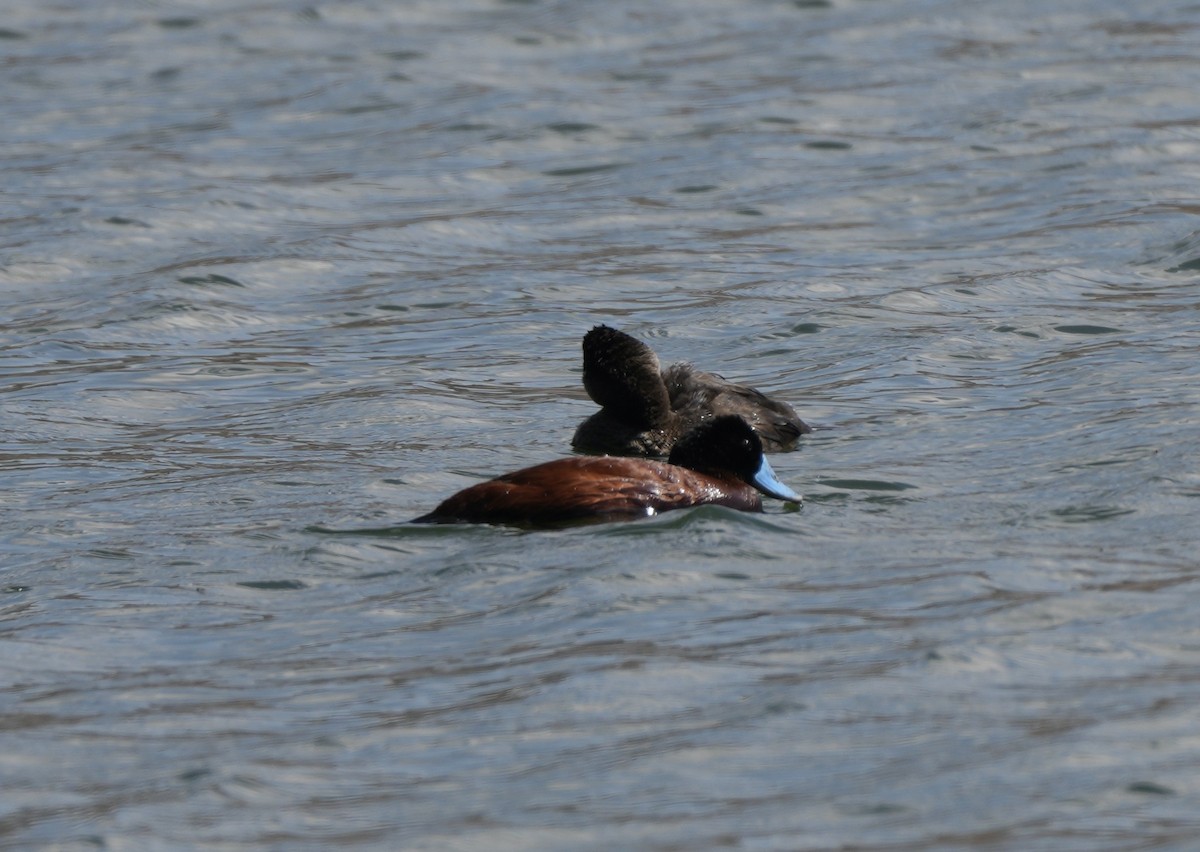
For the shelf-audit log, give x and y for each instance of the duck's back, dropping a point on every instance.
(589, 488)
(697, 395)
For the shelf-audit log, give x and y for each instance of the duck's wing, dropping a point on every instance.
(585, 486)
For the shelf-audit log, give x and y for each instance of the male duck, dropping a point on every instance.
(720, 461)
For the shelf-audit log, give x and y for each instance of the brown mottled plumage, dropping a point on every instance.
(644, 409)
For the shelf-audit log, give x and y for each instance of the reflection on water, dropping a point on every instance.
(277, 271)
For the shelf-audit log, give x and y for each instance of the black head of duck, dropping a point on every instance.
(645, 410)
(719, 462)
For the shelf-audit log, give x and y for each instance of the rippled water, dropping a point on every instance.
(270, 270)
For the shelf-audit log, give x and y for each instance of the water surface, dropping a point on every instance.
(272, 270)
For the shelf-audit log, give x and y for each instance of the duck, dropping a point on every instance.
(644, 409)
(719, 462)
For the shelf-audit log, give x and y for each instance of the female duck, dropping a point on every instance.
(644, 410)
(719, 462)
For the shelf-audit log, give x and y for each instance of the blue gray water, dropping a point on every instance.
(273, 269)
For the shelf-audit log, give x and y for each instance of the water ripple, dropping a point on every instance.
(278, 277)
